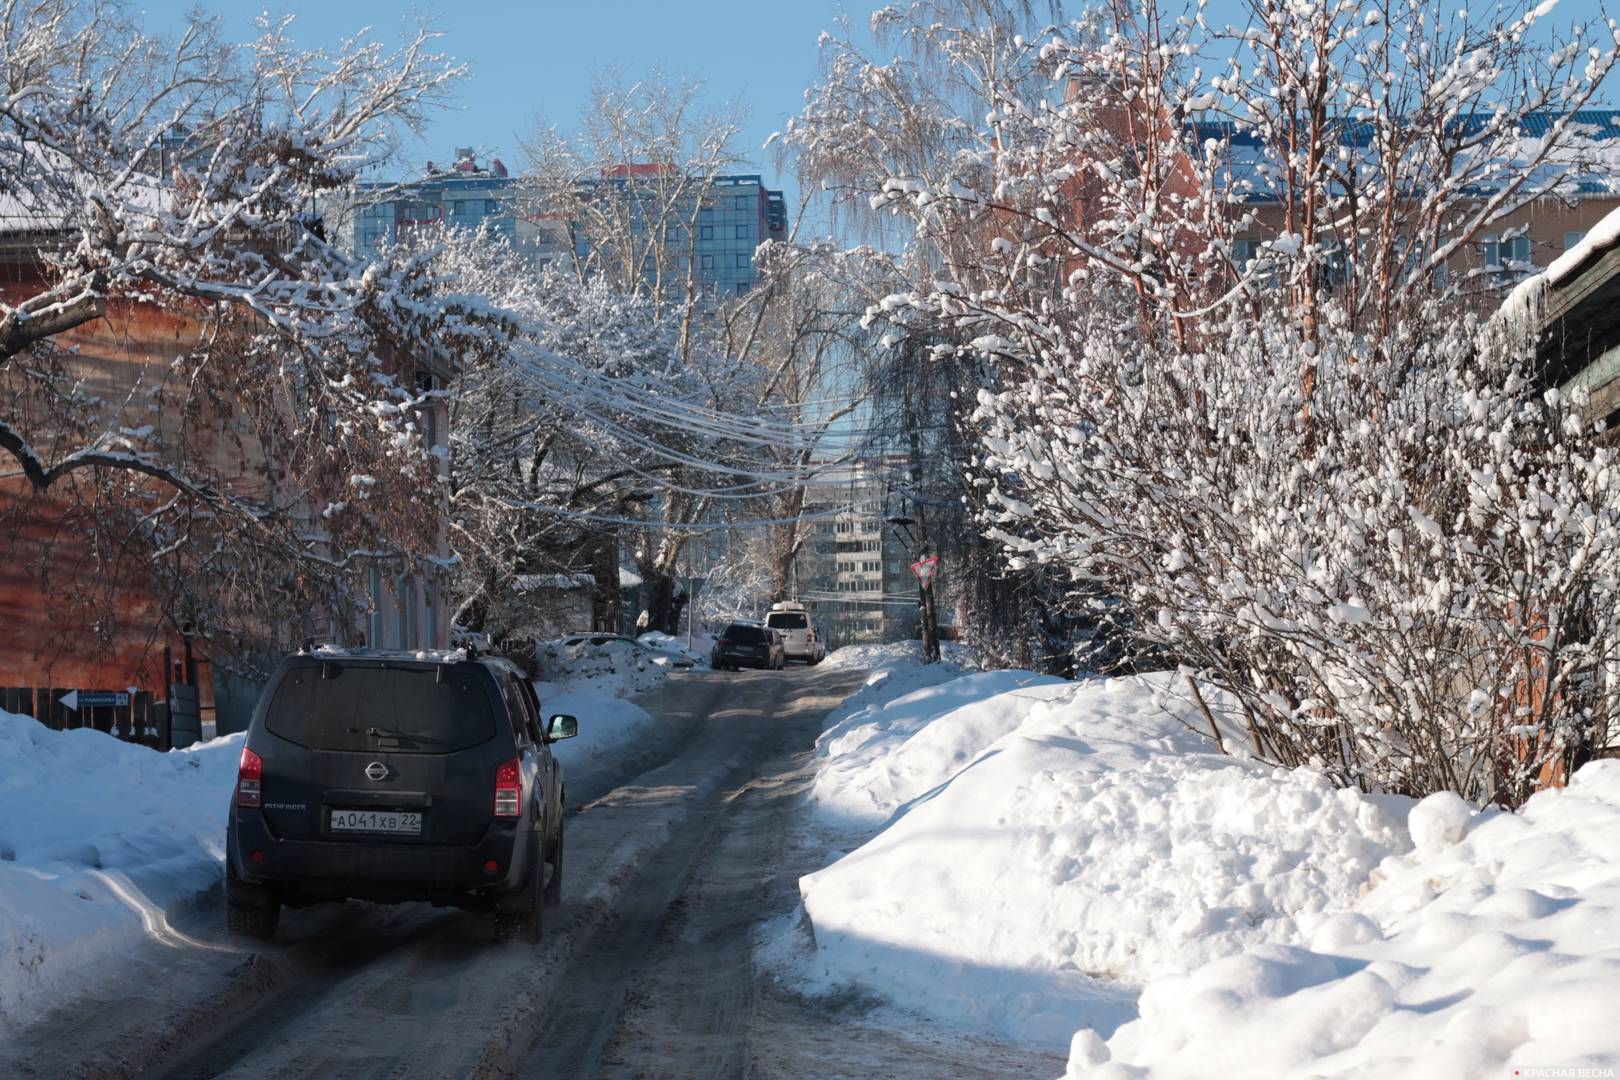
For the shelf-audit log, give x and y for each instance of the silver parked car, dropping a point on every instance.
(799, 638)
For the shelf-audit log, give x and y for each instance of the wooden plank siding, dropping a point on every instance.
(74, 611)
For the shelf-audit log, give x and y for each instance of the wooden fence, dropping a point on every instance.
(143, 720)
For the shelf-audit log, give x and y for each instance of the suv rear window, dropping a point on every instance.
(367, 707)
(744, 635)
(787, 620)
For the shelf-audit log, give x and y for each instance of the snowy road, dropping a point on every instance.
(646, 970)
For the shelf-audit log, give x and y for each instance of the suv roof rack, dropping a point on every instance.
(457, 655)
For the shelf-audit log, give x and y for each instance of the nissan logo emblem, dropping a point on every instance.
(376, 771)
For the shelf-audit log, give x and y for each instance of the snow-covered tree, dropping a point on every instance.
(906, 107)
(800, 331)
(739, 585)
(283, 446)
(624, 194)
(1313, 475)
(591, 422)
(543, 463)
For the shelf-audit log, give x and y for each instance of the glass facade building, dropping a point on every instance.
(736, 215)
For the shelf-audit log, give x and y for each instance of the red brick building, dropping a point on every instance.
(80, 608)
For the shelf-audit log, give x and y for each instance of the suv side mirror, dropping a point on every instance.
(562, 726)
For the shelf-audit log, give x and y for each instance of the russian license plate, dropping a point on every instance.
(379, 821)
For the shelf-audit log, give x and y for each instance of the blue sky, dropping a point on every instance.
(538, 58)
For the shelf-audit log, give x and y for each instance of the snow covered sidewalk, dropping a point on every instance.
(1028, 857)
(99, 841)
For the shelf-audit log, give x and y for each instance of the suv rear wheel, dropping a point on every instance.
(552, 896)
(523, 912)
(249, 909)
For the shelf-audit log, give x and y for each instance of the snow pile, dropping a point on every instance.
(892, 656)
(671, 650)
(99, 839)
(593, 681)
(892, 671)
(607, 725)
(876, 657)
(887, 753)
(1061, 844)
(1491, 950)
(606, 664)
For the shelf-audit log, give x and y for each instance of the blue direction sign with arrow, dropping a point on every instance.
(93, 699)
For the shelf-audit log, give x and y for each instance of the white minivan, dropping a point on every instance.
(799, 638)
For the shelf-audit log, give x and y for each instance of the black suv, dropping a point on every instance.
(748, 643)
(395, 776)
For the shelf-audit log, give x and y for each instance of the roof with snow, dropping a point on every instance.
(1598, 124)
(532, 582)
(46, 192)
(1598, 132)
(1575, 305)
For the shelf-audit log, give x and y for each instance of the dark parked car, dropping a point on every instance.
(391, 777)
(746, 644)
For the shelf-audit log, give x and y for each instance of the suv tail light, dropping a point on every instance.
(248, 775)
(509, 789)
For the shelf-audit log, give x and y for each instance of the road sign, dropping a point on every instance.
(924, 569)
(93, 699)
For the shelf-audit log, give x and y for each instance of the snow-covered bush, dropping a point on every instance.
(1415, 590)
(1305, 465)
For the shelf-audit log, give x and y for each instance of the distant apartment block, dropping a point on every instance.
(854, 570)
(468, 195)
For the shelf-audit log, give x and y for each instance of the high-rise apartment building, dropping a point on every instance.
(854, 569)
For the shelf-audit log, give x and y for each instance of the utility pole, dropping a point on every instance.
(924, 566)
(694, 585)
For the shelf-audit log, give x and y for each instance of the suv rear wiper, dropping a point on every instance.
(380, 733)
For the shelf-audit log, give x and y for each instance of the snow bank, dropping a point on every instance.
(607, 725)
(1491, 950)
(888, 752)
(1052, 846)
(609, 665)
(876, 658)
(98, 840)
(671, 648)
(892, 671)
(593, 682)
